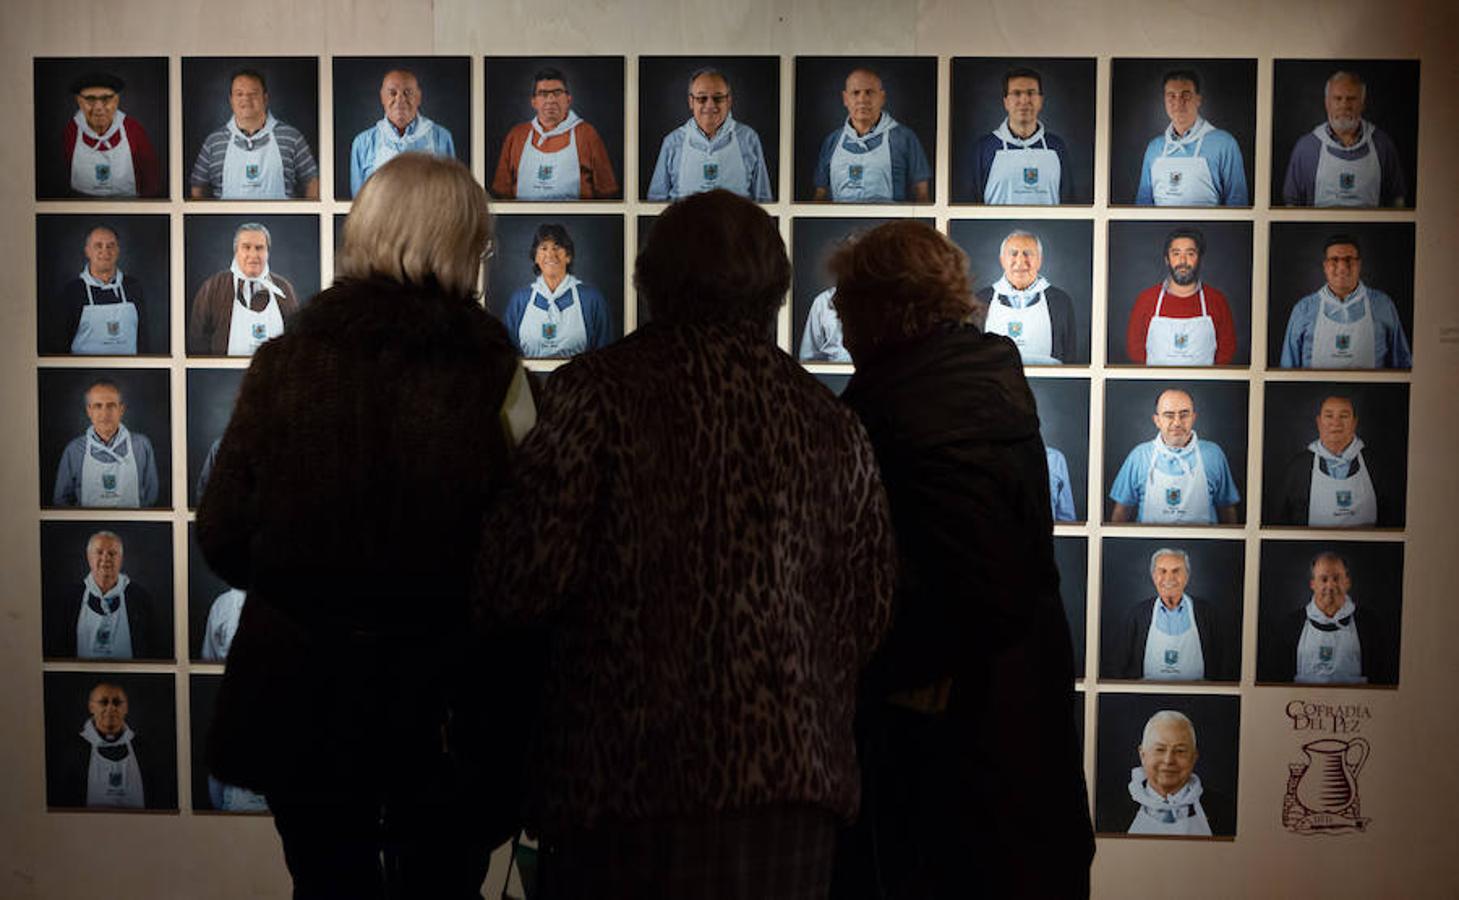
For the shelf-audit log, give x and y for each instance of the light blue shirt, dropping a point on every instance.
(1061, 494)
(1176, 621)
(1221, 153)
(664, 186)
(437, 141)
(1390, 351)
(1128, 488)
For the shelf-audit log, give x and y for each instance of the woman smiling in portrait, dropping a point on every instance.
(557, 315)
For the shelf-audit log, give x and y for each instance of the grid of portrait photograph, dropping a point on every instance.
(1227, 447)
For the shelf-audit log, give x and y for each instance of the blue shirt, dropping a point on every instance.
(664, 184)
(1061, 494)
(1390, 349)
(1222, 156)
(1129, 485)
(1177, 621)
(438, 141)
(596, 319)
(67, 491)
(909, 162)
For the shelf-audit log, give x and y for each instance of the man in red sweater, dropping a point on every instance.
(1180, 321)
(107, 153)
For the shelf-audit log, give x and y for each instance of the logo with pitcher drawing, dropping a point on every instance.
(1322, 791)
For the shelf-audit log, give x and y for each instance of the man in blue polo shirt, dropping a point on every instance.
(1192, 162)
(1175, 479)
(872, 158)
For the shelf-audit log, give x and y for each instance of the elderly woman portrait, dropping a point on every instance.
(972, 692)
(345, 499)
(699, 523)
(557, 314)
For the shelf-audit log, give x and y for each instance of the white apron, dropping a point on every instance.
(551, 176)
(1180, 342)
(232, 798)
(861, 167)
(106, 169)
(1182, 499)
(222, 624)
(1174, 657)
(1181, 813)
(1344, 345)
(822, 338)
(1022, 173)
(553, 328)
(115, 783)
(417, 139)
(1346, 182)
(115, 480)
(107, 634)
(1184, 180)
(1341, 502)
(705, 165)
(1024, 317)
(1329, 649)
(106, 329)
(253, 169)
(248, 330)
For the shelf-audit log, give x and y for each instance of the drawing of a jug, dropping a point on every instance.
(1330, 783)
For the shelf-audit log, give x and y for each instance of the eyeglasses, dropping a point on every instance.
(550, 94)
(490, 250)
(708, 99)
(94, 99)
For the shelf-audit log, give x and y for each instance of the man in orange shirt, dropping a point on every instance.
(556, 155)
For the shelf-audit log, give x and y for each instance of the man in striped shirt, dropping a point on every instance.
(254, 156)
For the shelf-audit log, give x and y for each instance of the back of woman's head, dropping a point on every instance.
(713, 257)
(898, 282)
(418, 218)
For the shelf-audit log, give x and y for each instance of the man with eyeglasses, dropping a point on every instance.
(1347, 160)
(711, 149)
(871, 158)
(106, 765)
(1175, 479)
(403, 129)
(1192, 162)
(108, 153)
(556, 155)
(1020, 162)
(1345, 324)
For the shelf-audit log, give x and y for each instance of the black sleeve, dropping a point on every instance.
(1387, 478)
(1061, 309)
(1380, 658)
(58, 637)
(141, 621)
(1294, 492)
(61, 317)
(133, 287)
(1214, 629)
(1129, 659)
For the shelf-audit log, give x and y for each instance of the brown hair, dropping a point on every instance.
(899, 281)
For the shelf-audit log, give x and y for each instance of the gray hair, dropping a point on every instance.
(709, 72)
(104, 534)
(268, 239)
(1019, 232)
(1163, 717)
(1170, 551)
(1350, 76)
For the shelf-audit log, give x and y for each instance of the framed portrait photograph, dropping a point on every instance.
(101, 128)
(111, 741)
(1330, 613)
(269, 260)
(1175, 452)
(388, 105)
(250, 127)
(105, 438)
(1071, 553)
(103, 285)
(211, 795)
(1182, 132)
(554, 127)
(1335, 454)
(707, 122)
(1345, 132)
(1167, 765)
(1034, 282)
(865, 129)
(556, 282)
(213, 606)
(1179, 294)
(1170, 609)
(1340, 295)
(210, 397)
(106, 590)
(1023, 130)
(1063, 405)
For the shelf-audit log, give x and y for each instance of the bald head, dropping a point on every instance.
(1175, 417)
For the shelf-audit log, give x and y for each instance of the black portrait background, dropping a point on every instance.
(1071, 554)
(146, 560)
(63, 417)
(146, 246)
(1300, 86)
(1216, 581)
(1295, 269)
(144, 98)
(663, 104)
(1376, 570)
(151, 714)
(1064, 425)
(977, 103)
(1137, 90)
(210, 396)
(203, 587)
(910, 83)
(445, 85)
(1137, 261)
(836, 381)
(1220, 418)
(1122, 718)
(293, 98)
(596, 85)
(208, 249)
(1289, 424)
(1068, 261)
(202, 700)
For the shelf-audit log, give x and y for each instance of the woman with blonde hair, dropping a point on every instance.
(345, 499)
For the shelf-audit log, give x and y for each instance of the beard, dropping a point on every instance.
(1184, 275)
(1346, 123)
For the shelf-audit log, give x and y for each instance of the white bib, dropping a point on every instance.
(1180, 342)
(231, 798)
(115, 480)
(1330, 656)
(107, 634)
(106, 329)
(1022, 173)
(705, 165)
(553, 330)
(1344, 345)
(861, 166)
(1341, 502)
(1181, 813)
(1028, 323)
(99, 172)
(1174, 657)
(222, 624)
(112, 783)
(1182, 499)
(1346, 182)
(417, 138)
(1183, 180)
(821, 340)
(253, 169)
(551, 176)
